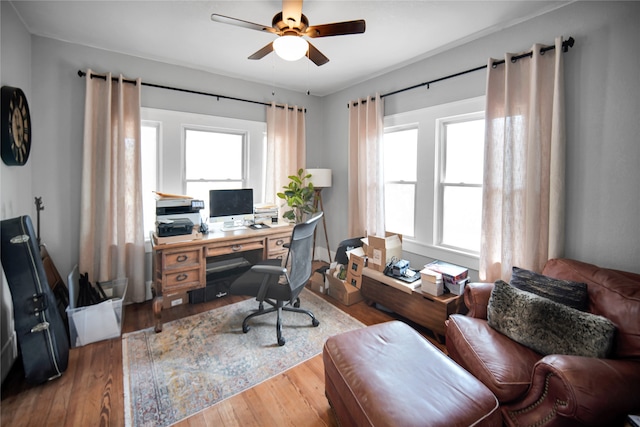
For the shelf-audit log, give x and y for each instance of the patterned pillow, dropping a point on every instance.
(565, 292)
(546, 326)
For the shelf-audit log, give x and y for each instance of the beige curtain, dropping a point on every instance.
(366, 180)
(286, 148)
(523, 191)
(111, 230)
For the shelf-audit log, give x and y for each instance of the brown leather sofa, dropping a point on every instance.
(557, 390)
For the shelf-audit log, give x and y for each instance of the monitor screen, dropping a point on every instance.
(230, 203)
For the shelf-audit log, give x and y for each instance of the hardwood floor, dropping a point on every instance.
(90, 392)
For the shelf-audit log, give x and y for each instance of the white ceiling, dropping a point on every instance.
(181, 32)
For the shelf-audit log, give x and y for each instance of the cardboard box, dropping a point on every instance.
(100, 321)
(354, 280)
(432, 282)
(381, 250)
(318, 283)
(354, 270)
(356, 264)
(451, 273)
(342, 291)
(174, 300)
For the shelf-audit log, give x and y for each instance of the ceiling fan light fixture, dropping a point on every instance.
(290, 47)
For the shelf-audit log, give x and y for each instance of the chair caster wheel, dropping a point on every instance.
(297, 303)
(315, 322)
(281, 341)
(245, 329)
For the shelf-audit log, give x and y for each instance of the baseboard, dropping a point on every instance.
(9, 354)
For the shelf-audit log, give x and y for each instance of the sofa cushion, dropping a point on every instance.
(567, 292)
(546, 326)
(613, 294)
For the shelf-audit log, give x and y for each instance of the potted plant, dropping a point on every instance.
(299, 195)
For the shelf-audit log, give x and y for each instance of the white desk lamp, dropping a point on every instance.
(321, 178)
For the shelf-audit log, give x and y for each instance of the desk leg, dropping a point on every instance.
(157, 312)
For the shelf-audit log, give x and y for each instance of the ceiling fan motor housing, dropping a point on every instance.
(283, 25)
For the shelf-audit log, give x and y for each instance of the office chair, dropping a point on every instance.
(272, 283)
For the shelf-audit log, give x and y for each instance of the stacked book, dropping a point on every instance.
(431, 282)
(453, 276)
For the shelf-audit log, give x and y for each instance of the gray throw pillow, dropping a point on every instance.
(546, 326)
(573, 294)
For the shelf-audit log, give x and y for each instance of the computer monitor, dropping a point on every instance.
(230, 206)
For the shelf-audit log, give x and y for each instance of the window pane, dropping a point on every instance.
(400, 150)
(213, 155)
(462, 215)
(149, 142)
(399, 208)
(464, 152)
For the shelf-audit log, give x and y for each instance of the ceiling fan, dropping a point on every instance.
(290, 25)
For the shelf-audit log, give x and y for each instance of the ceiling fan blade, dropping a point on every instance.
(263, 52)
(240, 23)
(292, 12)
(337, 29)
(316, 56)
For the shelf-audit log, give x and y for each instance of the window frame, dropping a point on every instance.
(244, 152)
(441, 174)
(425, 242)
(402, 128)
(170, 162)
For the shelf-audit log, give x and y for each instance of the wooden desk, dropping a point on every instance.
(180, 267)
(425, 309)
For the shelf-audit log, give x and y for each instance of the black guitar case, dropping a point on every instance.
(42, 336)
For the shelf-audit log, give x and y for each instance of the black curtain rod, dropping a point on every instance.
(99, 76)
(565, 47)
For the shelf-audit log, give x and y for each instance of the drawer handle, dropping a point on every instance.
(181, 277)
(236, 248)
(182, 258)
(279, 242)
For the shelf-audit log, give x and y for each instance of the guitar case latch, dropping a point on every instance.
(36, 304)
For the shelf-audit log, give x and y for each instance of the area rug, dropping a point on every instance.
(200, 360)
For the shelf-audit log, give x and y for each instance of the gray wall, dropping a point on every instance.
(603, 208)
(603, 121)
(58, 110)
(15, 182)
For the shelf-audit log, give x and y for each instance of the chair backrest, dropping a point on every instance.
(300, 254)
(347, 245)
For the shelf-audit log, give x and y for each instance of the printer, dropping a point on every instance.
(177, 216)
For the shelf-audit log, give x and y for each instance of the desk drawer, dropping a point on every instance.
(183, 280)
(181, 259)
(239, 246)
(276, 244)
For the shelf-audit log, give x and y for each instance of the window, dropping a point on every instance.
(433, 166)
(461, 143)
(150, 142)
(400, 172)
(188, 153)
(214, 160)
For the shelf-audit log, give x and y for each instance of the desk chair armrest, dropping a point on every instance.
(267, 271)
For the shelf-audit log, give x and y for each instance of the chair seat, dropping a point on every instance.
(279, 287)
(246, 284)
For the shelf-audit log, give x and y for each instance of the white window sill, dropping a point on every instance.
(470, 261)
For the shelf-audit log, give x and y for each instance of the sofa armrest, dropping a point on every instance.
(476, 298)
(586, 390)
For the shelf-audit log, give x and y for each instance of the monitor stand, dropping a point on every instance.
(236, 224)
